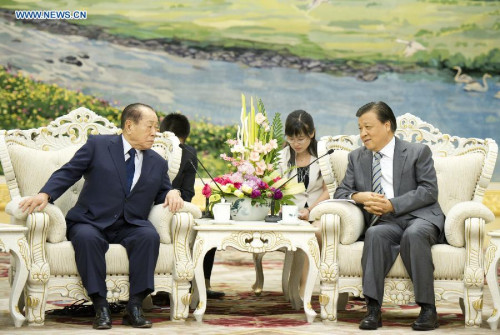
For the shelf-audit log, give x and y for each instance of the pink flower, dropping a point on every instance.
(260, 168)
(206, 191)
(260, 118)
(254, 156)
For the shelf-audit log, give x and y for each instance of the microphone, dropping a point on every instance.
(275, 218)
(206, 214)
(183, 146)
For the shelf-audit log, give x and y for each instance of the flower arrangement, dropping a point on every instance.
(253, 162)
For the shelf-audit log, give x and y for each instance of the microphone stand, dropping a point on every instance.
(206, 213)
(275, 218)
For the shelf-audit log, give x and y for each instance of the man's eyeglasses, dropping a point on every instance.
(299, 140)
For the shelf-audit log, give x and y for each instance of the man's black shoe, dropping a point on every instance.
(373, 318)
(102, 318)
(214, 294)
(134, 317)
(427, 319)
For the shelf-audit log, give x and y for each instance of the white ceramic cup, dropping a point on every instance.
(222, 211)
(290, 213)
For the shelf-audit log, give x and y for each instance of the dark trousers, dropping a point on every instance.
(91, 244)
(412, 238)
(208, 263)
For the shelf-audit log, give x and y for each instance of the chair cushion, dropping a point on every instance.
(61, 258)
(449, 262)
(34, 167)
(457, 178)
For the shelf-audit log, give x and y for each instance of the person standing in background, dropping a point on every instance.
(185, 179)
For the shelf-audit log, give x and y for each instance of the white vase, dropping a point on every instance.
(243, 210)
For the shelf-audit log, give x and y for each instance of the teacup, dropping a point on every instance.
(290, 213)
(222, 211)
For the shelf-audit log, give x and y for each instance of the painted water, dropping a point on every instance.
(212, 89)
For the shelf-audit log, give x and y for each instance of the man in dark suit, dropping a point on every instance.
(184, 181)
(395, 183)
(123, 179)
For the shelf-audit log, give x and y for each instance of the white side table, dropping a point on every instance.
(13, 240)
(491, 259)
(257, 237)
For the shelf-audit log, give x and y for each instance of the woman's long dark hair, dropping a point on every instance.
(297, 123)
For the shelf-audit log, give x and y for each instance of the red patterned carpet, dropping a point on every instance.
(241, 312)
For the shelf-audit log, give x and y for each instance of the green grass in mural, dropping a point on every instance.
(26, 103)
(454, 32)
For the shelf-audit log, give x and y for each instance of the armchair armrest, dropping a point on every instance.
(161, 217)
(352, 222)
(56, 225)
(454, 225)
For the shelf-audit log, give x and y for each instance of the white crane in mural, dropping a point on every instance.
(477, 87)
(497, 95)
(411, 47)
(462, 78)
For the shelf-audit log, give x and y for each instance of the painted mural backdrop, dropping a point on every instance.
(439, 60)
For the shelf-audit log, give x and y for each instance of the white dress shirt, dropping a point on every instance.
(387, 167)
(137, 161)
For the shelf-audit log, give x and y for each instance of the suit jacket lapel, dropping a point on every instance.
(313, 174)
(366, 166)
(116, 150)
(398, 164)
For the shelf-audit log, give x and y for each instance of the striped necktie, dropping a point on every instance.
(376, 181)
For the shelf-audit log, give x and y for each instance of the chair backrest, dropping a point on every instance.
(30, 156)
(464, 166)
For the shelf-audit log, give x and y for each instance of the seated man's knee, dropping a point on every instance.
(86, 235)
(150, 235)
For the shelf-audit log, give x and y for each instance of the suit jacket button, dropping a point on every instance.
(116, 216)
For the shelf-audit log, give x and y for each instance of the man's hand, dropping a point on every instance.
(36, 202)
(362, 197)
(378, 205)
(173, 201)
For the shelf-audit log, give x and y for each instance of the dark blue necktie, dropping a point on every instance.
(130, 168)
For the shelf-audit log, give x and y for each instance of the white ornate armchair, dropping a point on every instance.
(464, 168)
(28, 158)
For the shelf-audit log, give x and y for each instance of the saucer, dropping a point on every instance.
(290, 223)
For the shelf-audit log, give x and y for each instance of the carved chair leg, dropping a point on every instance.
(180, 300)
(328, 299)
(473, 302)
(36, 301)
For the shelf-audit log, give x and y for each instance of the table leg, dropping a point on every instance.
(19, 281)
(312, 252)
(259, 273)
(200, 248)
(492, 278)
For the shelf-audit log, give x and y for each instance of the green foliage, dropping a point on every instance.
(441, 58)
(210, 141)
(26, 103)
(277, 130)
